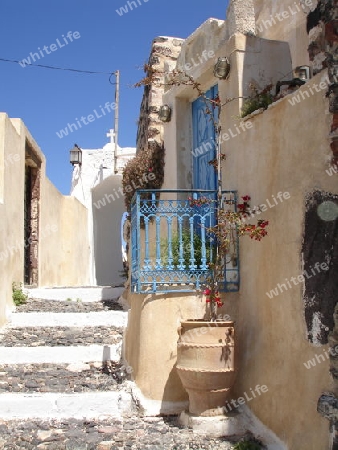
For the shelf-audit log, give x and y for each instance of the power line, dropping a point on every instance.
(58, 68)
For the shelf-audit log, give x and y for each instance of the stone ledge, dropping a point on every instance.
(238, 424)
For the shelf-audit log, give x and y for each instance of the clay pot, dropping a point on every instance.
(206, 364)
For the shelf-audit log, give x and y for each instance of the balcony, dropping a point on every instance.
(171, 245)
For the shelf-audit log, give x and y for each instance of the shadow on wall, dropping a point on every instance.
(173, 385)
(108, 208)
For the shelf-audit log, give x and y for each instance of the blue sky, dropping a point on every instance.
(48, 99)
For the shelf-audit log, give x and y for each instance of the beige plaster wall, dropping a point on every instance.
(286, 150)
(285, 20)
(63, 237)
(64, 246)
(11, 217)
(162, 314)
(151, 338)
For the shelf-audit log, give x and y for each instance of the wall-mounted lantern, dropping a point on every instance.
(222, 68)
(303, 73)
(165, 113)
(76, 155)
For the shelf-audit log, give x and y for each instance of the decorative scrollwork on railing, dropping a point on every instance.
(171, 245)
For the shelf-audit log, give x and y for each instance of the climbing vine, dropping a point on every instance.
(144, 171)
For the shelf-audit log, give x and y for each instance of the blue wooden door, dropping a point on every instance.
(204, 145)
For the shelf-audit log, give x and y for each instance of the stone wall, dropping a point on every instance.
(163, 55)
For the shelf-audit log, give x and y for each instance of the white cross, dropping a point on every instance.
(112, 135)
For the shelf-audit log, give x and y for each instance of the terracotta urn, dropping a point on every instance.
(206, 364)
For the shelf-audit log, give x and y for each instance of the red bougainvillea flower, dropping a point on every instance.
(207, 292)
(246, 198)
(263, 223)
(208, 300)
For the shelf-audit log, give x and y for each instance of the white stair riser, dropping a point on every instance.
(93, 319)
(84, 294)
(59, 355)
(84, 405)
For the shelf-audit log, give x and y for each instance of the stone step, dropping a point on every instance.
(71, 306)
(57, 355)
(86, 405)
(65, 378)
(11, 336)
(81, 293)
(147, 433)
(69, 319)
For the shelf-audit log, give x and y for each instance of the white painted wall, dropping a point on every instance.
(95, 184)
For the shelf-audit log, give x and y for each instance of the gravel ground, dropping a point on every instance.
(71, 306)
(59, 336)
(153, 433)
(107, 376)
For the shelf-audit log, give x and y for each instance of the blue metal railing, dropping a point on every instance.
(171, 244)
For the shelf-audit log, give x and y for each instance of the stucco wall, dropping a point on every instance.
(285, 149)
(107, 209)
(151, 344)
(64, 246)
(63, 239)
(285, 20)
(11, 217)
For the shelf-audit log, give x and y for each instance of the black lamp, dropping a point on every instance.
(76, 155)
(303, 73)
(222, 68)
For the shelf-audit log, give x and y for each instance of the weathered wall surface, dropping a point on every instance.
(285, 21)
(151, 344)
(63, 239)
(98, 165)
(107, 217)
(142, 349)
(163, 55)
(63, 253)
(278, 157)
(11, 217)
(280, 153)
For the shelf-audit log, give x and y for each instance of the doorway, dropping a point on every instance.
(31, 216)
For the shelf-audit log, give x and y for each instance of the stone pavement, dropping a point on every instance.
(76, 404)
(148, 433)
